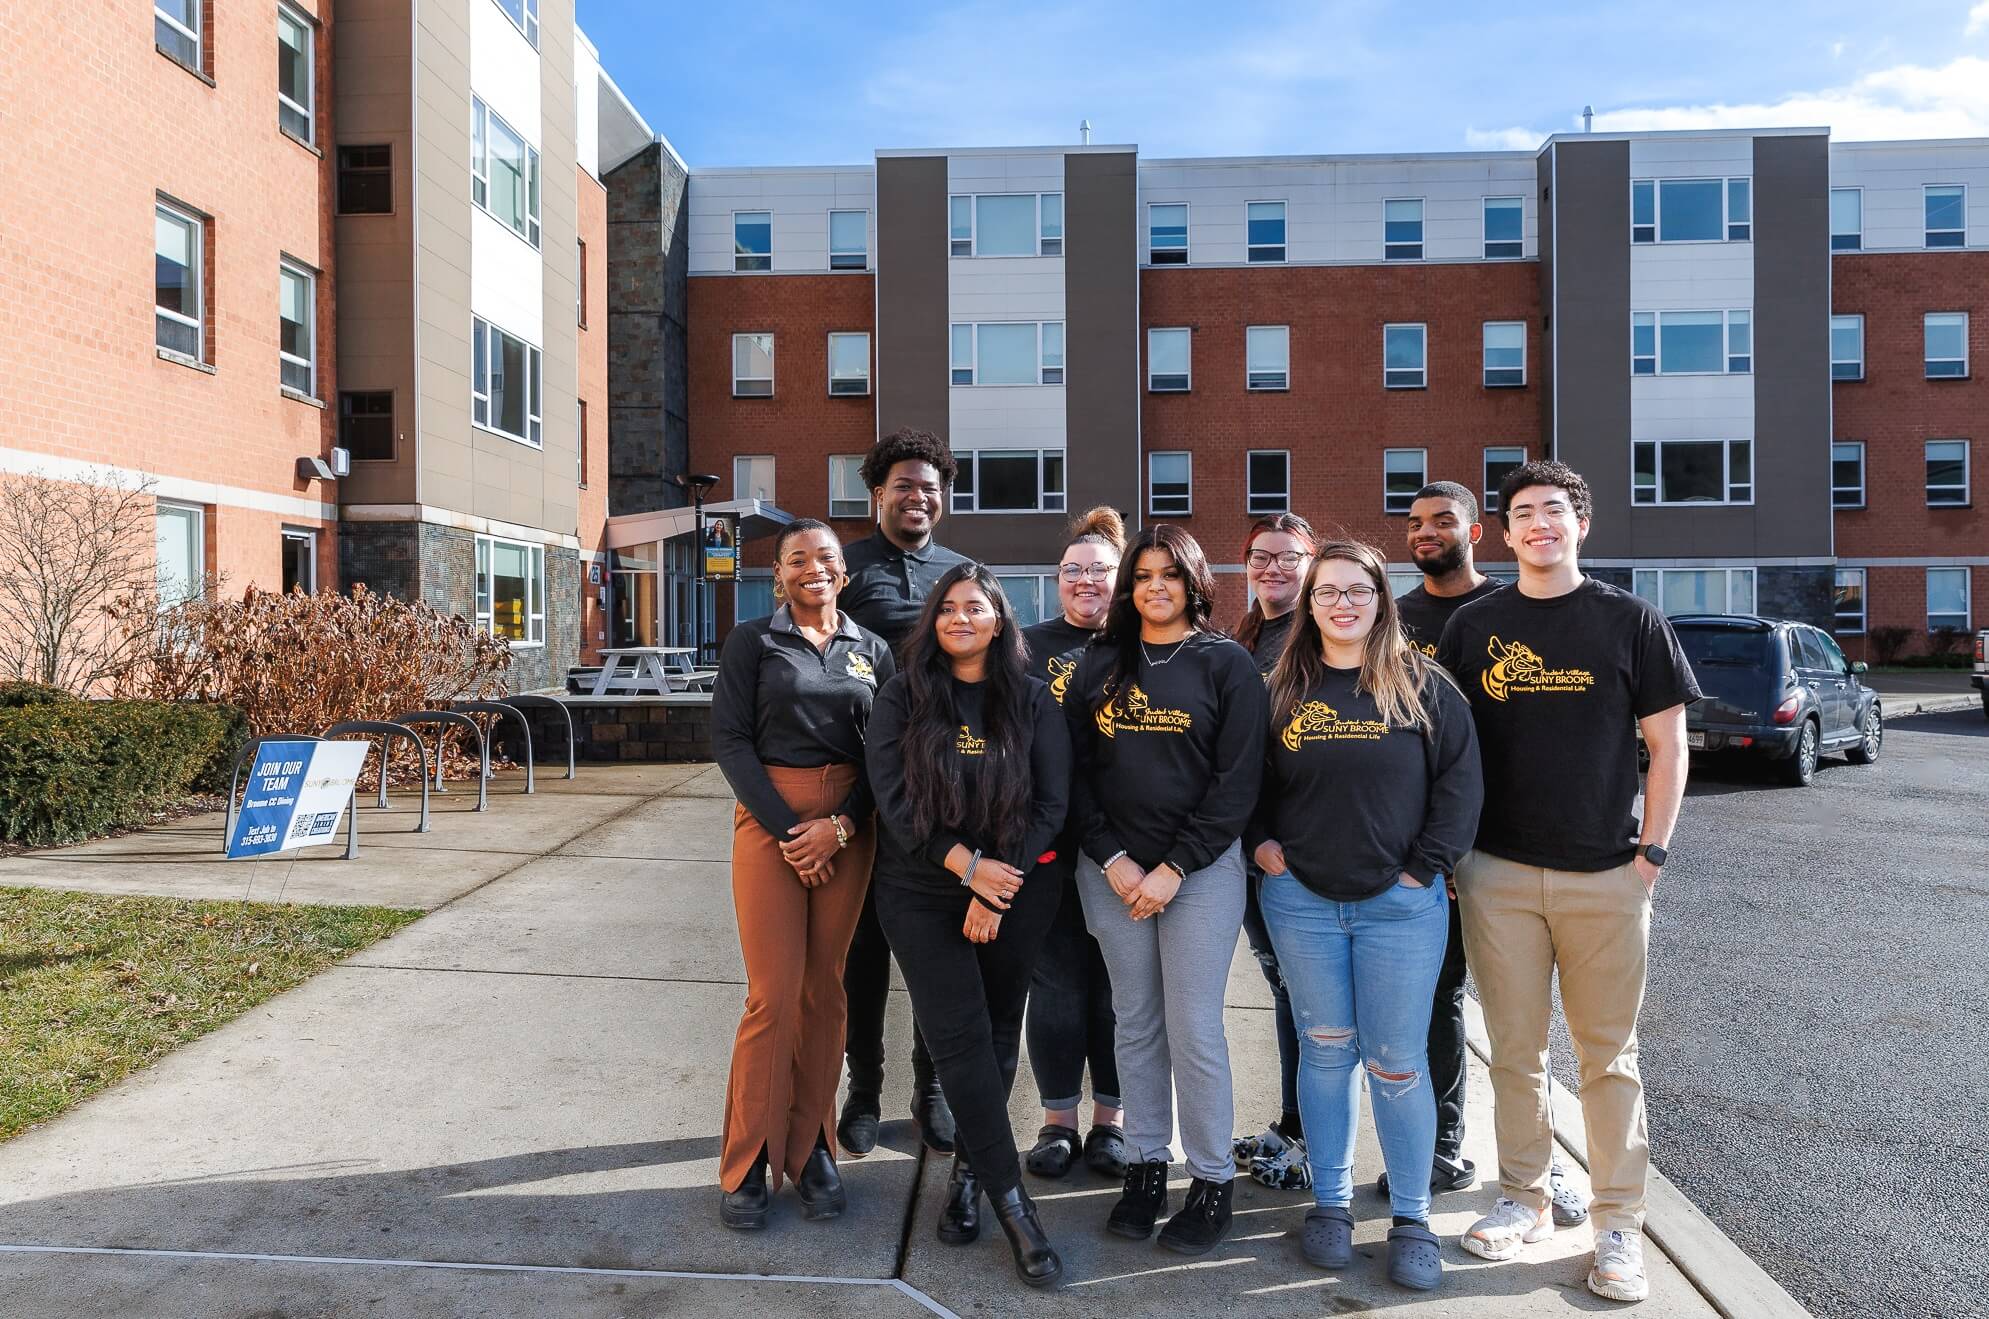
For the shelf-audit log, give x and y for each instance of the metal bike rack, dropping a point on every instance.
(500, 709)
(254, 745)
(564, 713)
(413, 717)
(387, 732)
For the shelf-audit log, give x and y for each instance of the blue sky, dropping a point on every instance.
(778, 83)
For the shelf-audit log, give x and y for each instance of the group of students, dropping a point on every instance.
(1073, 821)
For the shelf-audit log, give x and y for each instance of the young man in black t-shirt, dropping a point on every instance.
(1562, 672)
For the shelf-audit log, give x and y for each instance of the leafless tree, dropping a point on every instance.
(76, 568)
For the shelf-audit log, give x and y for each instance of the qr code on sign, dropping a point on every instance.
(301, 826)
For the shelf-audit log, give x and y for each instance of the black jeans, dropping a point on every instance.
(867, 986)
(1070, 1018)
(1267, 960)
(968, 997)
(1447, 1044)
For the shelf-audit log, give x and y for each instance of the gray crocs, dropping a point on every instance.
(1415, 1259)
(1328, 1237)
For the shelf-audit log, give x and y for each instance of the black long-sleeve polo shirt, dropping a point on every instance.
(778, 700)
(888, 585)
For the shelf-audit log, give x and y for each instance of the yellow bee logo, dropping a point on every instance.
(1061, 671)
(1512, 663)
(859, 667)
(1311, 717)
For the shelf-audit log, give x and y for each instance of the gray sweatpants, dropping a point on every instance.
(1169, 973)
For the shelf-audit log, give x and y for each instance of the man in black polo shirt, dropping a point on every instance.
(891, 571)
(1562, 673)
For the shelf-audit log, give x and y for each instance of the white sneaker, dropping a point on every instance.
(1618, 1274)
(1500, 1234)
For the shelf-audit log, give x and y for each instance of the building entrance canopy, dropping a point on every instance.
(757, 518)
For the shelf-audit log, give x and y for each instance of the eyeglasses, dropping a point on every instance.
(1286, 559)
(1087, 572)
(1328, 596)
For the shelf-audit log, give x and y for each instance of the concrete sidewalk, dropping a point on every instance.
(511, 1108)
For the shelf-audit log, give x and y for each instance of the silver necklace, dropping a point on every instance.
(1153, 663)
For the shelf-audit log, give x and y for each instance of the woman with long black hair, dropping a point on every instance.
(971, 766)
(1167, 729)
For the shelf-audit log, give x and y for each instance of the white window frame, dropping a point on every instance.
(967, 501)
(772, 366)
(534, 383)
(1927, 362)
(1266, 501)
(1485, 349)
(1839, 623)
(193, 34)
(526, 20)
(1422, 373)
(1858, 491)
(288, 266)
(308, 537)
(1927, 235)
(1846, 322)
(1489, 496)
(834, 379)
(1727, 485)
(861, 254)
(1187, 237)
(741, 477)
(1641, 578)
(1187, 377)
(1046, 244)
(1485, 239)
(1967, 595)
(481, 116)
(1271, 381)
(739, 257)
(1283, 247)
(1967, 474)
(485, 589)
(310, 52)
(1049, 373)
(196, 281)
(1728, 224)
(197, 537)
(1728, 322)
(1399, 504)
(839, 506)
(1186, 507)
(1857, 237)
(1422, 231)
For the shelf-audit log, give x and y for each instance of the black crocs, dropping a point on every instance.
(1415, 1258)
(1105, 1152)
(1055, 1149)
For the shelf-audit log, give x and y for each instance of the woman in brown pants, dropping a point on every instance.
(788, 712)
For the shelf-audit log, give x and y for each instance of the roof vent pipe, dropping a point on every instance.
(1084, 132)
(1588, 119)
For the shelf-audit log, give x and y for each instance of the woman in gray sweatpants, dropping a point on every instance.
(1167, 722)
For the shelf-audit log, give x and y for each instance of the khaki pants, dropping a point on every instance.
(1520, 924)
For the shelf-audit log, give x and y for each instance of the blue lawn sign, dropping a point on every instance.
(297, 794)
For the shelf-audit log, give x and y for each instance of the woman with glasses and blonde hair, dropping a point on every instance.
(1371, 794)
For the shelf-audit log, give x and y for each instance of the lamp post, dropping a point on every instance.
(697, 485)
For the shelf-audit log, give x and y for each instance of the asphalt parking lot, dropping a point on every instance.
(1816, 1032)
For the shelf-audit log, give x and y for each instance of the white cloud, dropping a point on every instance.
(1503, 139)
(1978, 19)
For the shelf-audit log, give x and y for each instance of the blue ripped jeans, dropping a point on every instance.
(1362, 976)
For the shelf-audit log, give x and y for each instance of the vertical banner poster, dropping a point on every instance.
(297, 792)
(721, 547)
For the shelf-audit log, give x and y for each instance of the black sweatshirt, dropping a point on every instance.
(920, 862)
(1424, 615)
(888, 586)
(1557, 687)
(1272, 634)
(1168, 770)
(1355, 803)
(779, 701)
(1054, 645)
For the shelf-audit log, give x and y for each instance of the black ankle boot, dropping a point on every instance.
(960, 1216)
(1036, 1262)
(935, 1118)
(820, 1186)
(1141, 1202)
(1203, 1220)
(857, 1131)
(745, 1210)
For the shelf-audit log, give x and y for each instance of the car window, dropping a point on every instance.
(1833, 656)
(1811, 654)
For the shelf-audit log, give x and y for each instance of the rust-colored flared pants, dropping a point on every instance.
(788, 1056)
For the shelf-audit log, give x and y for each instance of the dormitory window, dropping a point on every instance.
(297, 296)
(504, 172)
(1692, 472)
(753, 477)
(752, 366)
(1267, 357)
(300, 560)
(1402, 229)
(1847, 219)
(1947, 210)
(177, 282)
(1167, 233)
(1671, 343)
(1264, 227)
(849, 240)
(1691, 210)
(752, 240)
(525, 14)
(1697, 590)
(181, 537)
(1168, 476)
(1006, 224)
(1947, 473)
(1268, 474)
(1947, 598)
(366, 180)
(1505, 354)
(1008, 353)
(1167, 361)
(295, 73)
(1505, 219)
(1403, 473)
(511, 590)
(1404, 356)
(505, 384)
(1499, 461)
(366, 424)
(1847, 348)
(847, 497)
(849, 364)
(1850, 620)
(1009, 481)
(176, 30)
(1946, 345)
(1847, 474)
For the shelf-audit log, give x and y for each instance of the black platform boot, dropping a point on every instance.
(820, 1186)
(960, 1216)
(1141, 1202)
(1203, 1220)
(1036, 1261)
(745, 1210)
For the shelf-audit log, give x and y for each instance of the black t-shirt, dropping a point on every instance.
(1355, 802)
(1054, 646)
(1557, 687)
(1424, 615)
(888, 586)
(1271, 636)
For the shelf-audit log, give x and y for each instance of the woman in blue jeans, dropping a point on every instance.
(1371, 794)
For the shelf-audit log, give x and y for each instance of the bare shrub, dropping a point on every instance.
(74, 558)
(1888, 643)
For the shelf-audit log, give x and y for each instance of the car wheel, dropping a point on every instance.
(1871, 738)
(1799, 769)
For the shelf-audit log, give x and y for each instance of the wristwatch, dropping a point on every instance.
(1654, 854)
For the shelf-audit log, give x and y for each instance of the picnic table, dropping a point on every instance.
(655, 670)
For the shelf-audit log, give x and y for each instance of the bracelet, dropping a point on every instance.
(967, 880)
(842, 834)
(1114, 859)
